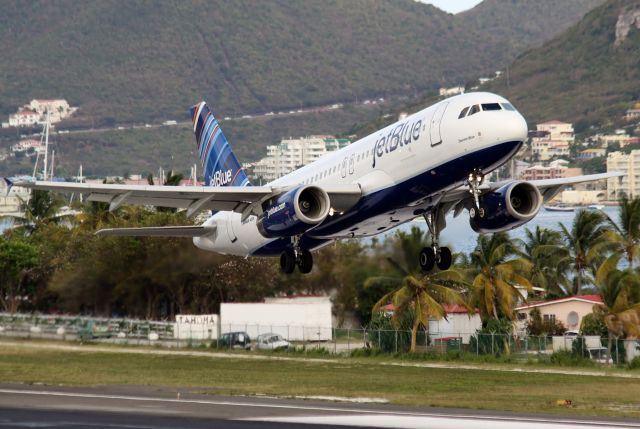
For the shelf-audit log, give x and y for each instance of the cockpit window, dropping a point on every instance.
(474, 109)
(491, 106)
(508, 106)
(463, 113)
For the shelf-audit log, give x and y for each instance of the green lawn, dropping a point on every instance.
(466, 388)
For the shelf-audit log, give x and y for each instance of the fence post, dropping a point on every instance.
(348, 340)
(617, 352)
(492, 352)
(478, 344)
(335, 340)
(396, 335)
(379, 342)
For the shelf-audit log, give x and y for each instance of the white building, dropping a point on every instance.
(569, 311)
(25, 118)
(36, 112)
(291, 154)
(458, 324)
(448, 92)
(552, 139)
(296, 319)
(26, 145)
(629, 164)
(58, 108)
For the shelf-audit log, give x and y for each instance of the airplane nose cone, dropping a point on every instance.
(516, 128)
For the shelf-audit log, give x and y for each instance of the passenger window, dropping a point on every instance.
(463, 113)
(474, 109)
(491, 106)
(508, 106)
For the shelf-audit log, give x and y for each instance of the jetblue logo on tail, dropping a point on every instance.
(220, 178)
(221, 167)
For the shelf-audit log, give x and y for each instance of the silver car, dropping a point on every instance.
(271, 341)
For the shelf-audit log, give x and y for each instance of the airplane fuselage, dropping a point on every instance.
(401, 169)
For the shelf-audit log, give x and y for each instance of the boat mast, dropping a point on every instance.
(46, 146)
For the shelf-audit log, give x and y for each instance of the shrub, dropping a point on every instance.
(568, 358)
(635, 363)
(537, 326)
(593, 324)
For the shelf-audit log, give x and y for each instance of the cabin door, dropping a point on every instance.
(434, 126)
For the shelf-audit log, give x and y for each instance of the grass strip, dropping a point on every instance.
(419, 386)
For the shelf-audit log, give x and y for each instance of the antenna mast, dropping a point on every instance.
(46, 146)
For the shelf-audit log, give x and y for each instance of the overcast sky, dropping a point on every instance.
(453, 6)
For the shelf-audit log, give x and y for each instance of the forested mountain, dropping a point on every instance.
(524, 23)
(587, 75)
(127, 61)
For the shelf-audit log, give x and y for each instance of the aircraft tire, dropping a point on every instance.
(305, 263)
(444, 258)
(287, 261)
(427, 259)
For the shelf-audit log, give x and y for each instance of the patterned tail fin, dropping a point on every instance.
(221, 167)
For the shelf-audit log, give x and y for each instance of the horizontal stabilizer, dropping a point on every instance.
(161, 231)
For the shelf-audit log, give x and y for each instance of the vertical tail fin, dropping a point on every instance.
(221, 167)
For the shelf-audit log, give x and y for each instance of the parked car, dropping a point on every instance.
(271, 341)
(90, 331)
(235, 340)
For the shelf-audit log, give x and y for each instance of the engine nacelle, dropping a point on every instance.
(508, 207)
(294, 212)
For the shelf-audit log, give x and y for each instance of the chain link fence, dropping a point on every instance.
(323, 340)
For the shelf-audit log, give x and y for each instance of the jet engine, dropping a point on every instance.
(506, 208)
(294, 212)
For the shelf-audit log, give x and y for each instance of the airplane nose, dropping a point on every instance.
(516, 129)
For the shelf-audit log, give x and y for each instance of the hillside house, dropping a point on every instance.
(569, 311)
(25, 118)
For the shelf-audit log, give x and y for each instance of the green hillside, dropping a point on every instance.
(587, 75)
(126, 61)
(524, 23)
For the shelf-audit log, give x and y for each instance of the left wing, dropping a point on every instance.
(241, 199)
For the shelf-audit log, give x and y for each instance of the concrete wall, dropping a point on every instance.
(294, 321)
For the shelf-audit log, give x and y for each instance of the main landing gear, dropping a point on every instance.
(296, 256)
(435, 255)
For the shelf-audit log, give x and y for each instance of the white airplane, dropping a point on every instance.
(426, 164)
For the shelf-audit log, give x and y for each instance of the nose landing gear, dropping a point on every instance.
(474, 181)
(296, 256)
(435, 255)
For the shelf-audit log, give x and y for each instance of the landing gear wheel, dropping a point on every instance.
(287, 261)
(427, 259)
(480, 213)
(305, 262)
(444, 258)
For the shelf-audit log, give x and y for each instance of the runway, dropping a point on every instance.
(152, 407)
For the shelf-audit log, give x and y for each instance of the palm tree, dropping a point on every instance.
(620, 292)
(426, 294)
(625, 235)
(544, 248)
(497, 273)
(40, 209)
(584, 245)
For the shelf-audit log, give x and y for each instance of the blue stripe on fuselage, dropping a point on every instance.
(425, 184)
